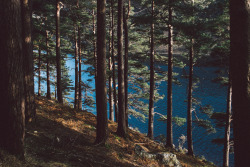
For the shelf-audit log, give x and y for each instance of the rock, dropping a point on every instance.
(142, 151)
(168, 159)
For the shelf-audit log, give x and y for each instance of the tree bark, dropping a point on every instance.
(189, 107)
(58, 54)
(39, 71)
(240, 71)
(94, 43)
(101, 90)
(111, 100)
(80, 69)
(12, 119)
(113, 62)
(152, 80)
(76, 72)
(169, 142)
(227, 128)
(48, 66)
(126, 42)
(30, 109)
(122, 128)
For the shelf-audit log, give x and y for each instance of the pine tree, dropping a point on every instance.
(152, 80)
(170, 77)
(58, 54)
(12, 119)
(101, 90)
(122, 128)
(239, 70)
(30, 109)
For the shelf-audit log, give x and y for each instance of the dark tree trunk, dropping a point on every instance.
(125, 26)
(76, 72)
(240, 72)
(101, 90)
(189, 107)
(152, 80)
(80, 69)
(94, 43)
(48, 66)
(227, 129)
(111, 100)
(12, 119)
(122, 128)
(30, 109)
(55, 87)
(58, 54)
(169, 142)
(39, 71)
(113, 62)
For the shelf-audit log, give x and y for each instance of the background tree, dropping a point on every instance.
(152, 80)
(58, 54)
(169, 142)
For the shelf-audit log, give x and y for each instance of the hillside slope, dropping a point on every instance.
(64, 137)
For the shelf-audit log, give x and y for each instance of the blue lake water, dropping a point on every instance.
(208, 92)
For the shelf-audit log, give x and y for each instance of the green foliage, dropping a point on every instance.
(206, 124)
(179, 121)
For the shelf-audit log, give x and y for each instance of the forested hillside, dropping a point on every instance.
(176, 70)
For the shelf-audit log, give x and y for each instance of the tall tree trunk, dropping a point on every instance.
(94, 43)
(55, 87)
(240, 71)
(101, 90)
(113, 62)
(227, 129)
(152, 80)
(189, 107)
(125, 26)
(111, 100)
(30, 109)
(12, 119)
(170, 77)
(122, 128)
(39, 71)
(76, 72)
(80, 69)
(58, 54)
(48, 65)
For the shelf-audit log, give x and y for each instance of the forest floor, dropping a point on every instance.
(64, 137)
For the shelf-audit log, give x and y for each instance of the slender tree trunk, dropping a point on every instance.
(39, 71)
(80, 70)
(170, 77)
(122, 128)
(12, 119)
(125, 26)
(113, 62)
(48, 66)
(101, 90)
(240, 72)
(30, 109)
(189, 107)
(94, 41)
(227, 129)
(55, 87)
(152, 80)
(76, 72)
(111, 100)
(58, 54)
